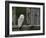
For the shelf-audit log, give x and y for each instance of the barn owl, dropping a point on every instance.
(20, 20)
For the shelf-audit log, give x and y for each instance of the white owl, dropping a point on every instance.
(20, 20)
